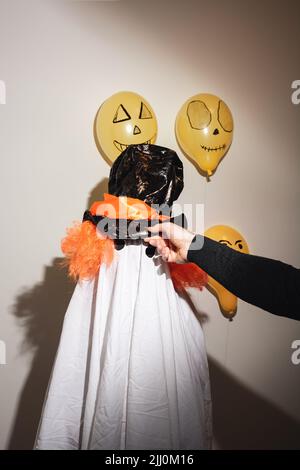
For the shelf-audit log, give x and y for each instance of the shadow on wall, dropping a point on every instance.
(97, 192)
(242, 419)
(40, 310)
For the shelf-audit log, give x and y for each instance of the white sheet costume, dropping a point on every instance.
(131, 368)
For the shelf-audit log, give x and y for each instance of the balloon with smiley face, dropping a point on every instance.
(236, 241)
(123, 119)
(204, 129)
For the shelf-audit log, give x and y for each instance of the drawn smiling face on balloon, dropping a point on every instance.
(124, 119)
(235, 240)
(204, 129)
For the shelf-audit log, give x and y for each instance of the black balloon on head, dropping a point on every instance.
(147, 172)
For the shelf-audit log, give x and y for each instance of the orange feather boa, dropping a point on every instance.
(85, 248)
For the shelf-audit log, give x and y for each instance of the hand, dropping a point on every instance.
(174, 243)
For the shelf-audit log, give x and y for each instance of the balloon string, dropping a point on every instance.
(226, 344)
(205, 198)
(205, 195)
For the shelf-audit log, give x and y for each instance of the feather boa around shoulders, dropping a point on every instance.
(85, 249)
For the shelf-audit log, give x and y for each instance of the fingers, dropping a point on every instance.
(167, 253)
(166, 230)
(161, 246)
(173, 232)
(155, 240)
(155, 228)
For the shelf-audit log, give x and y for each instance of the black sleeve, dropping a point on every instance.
(269, 284)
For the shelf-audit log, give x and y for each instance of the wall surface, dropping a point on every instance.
(59, 61)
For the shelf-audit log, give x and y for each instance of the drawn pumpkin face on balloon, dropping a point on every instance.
(124, 119)
(232, 238)
(204, 129)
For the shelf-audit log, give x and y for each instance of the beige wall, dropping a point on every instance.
(59, 61)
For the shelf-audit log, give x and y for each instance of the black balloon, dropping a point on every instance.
(148, 172)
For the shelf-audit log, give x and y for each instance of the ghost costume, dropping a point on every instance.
(131, 369)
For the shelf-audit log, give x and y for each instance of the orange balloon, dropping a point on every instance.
(124, 118)
(204, 130)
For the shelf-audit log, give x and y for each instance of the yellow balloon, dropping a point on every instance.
(232, 238)
(204, 129)
(123, 119)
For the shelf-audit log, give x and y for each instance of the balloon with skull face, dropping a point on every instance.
(204, 128)
(123, 119)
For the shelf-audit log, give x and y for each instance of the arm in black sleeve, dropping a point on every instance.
(269, 284)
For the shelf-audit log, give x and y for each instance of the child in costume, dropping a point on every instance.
(131, 368)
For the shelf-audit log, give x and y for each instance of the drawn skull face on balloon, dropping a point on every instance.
(204, 128)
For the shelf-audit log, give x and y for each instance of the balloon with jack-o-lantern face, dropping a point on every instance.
(124, 119)
(204, 129)
(235, 240)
